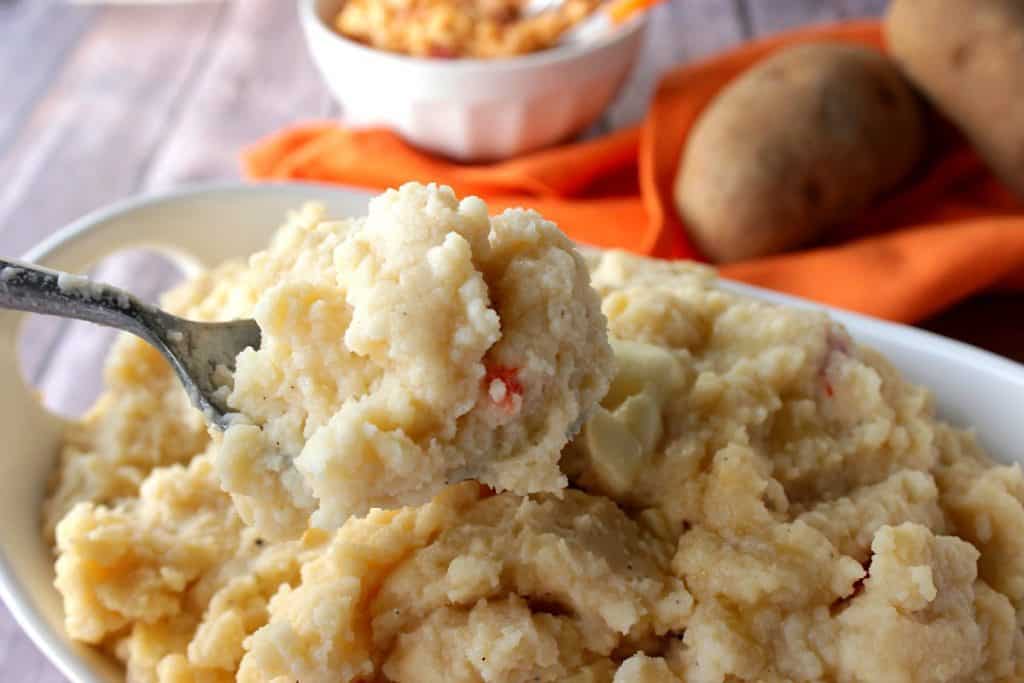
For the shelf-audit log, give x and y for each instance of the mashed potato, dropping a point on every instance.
(756, 498)
(423, 344)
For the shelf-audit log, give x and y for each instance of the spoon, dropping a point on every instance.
(607, 16)
(201, 353)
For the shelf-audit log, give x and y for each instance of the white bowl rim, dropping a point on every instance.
(467, 65)
(76, 669)
(141, 201)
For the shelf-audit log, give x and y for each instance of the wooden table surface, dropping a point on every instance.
(98, 102)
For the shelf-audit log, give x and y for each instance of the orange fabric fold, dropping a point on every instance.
(951, 231)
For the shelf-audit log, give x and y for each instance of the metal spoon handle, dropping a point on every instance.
(199, 352)
(27, 287)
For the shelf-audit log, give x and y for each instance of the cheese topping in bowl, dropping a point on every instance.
(459, 28)
(755, 498)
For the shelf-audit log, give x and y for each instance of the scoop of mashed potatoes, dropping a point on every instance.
(423, 344)
(755, 498)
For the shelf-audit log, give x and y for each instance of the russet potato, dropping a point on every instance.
(968, 58)
(799, 143)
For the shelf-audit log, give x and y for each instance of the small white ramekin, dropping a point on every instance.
(472, 109)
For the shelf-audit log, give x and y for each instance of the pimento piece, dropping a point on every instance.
(836, 342)
(503, 388)
(442, 52)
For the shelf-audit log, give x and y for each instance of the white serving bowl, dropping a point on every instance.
(203, 226)
(472, 109)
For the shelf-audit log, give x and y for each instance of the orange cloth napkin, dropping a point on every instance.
(950, 232)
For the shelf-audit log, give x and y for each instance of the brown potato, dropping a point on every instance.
(801, 142)
(968, 58)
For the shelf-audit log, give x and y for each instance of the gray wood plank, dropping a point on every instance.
(35, 38)
(91, 138)
(771, 16)
(862, 8)
(38, 338)
(20, 661)
(678, 31)
(259, 79)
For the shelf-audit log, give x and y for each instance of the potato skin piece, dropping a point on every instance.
(802, 141)
(968, 58)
